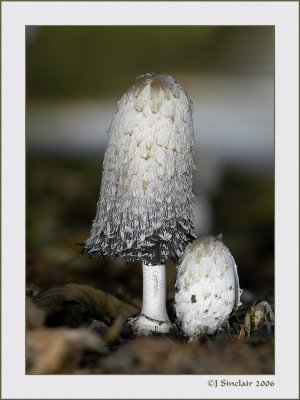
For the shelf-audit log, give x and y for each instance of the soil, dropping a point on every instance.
(78, 307)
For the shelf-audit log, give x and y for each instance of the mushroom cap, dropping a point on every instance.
(145, 206)
(207, 287)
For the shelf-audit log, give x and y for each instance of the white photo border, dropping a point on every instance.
(15, 16)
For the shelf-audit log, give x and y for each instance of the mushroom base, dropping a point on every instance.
(146, 326)
(154, 317)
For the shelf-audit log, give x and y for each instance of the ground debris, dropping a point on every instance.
(258, 320)
(59, 350)
(103, 343)
(73, 305)
(160, 355)
(35, 316)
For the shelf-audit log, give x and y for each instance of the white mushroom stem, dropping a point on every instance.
(154, 292)
(154, 317)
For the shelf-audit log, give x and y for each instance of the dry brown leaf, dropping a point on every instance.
(75, 304)
(52, 351)
(113, 335)
(35, 316)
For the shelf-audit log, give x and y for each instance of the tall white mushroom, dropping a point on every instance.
(145, 206)
(207, 287)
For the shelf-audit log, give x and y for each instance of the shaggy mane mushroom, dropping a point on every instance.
(145, 206)
(207, 287)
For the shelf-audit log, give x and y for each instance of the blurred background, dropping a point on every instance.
(74, 78)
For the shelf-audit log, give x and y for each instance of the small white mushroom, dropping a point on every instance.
(145, 206)
(207, 287)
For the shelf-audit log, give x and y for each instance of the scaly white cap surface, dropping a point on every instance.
(145, 206)
(207, 287)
